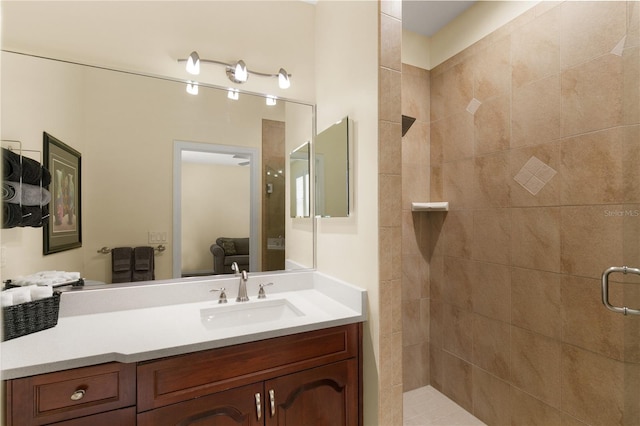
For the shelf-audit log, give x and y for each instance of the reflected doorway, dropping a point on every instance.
(215, 195)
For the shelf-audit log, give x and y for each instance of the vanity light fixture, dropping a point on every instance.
(271, 100)
(237, 72)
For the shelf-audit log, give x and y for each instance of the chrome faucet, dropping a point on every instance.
(242, 289)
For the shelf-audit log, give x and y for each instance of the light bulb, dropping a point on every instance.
(283, 79)
(271, 100)
(193, 63)
(241, 74)
(192, 88)
(233, 94)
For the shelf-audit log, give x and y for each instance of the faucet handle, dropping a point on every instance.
(223, 295)
(261, 293)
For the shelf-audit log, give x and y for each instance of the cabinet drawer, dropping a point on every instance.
(184, 377)
(65, 395)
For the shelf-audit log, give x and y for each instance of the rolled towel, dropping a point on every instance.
(46, 278)
(33, 216)
(16, 167)
(11, 215)
(41, 292)
(31, 171)
(11, 168)
(20, 294)
(46, 177)
(25, 194)
(6, 299)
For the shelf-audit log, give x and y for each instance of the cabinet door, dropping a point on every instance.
(323, 396)
(235, 407)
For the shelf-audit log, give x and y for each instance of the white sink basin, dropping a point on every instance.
(247, 313)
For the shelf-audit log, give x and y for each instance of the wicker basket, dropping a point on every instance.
(27, 318)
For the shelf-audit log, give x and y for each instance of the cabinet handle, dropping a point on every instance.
(78, 395)
(272, 399)
(258, 406)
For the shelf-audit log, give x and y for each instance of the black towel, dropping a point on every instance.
(143, 264)
(121, 264)
(33, 215)
(15, 166)
(11, 169)
(46, 177)
(11, 215)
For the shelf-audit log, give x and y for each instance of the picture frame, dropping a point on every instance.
(62, 230)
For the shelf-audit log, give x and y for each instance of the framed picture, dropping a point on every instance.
(63, 229)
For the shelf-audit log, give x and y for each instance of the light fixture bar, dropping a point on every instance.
(237, 72)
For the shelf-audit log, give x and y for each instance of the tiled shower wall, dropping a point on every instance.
(415, 238)
(389, 213)
(518, 334)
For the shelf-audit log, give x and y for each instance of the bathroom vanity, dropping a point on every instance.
(294, 358)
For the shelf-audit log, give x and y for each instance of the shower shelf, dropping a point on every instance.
(440, 206)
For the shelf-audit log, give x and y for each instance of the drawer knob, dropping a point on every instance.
(78, 395)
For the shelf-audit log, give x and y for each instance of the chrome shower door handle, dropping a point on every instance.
(605, 289)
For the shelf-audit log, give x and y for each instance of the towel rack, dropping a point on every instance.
(106, 250)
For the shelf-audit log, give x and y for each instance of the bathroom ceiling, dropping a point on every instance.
(427, 17)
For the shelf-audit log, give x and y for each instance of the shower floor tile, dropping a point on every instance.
(427, 407)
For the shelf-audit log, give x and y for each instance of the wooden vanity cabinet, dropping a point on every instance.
(306, 379)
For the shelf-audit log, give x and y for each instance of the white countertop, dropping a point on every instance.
(132, 323)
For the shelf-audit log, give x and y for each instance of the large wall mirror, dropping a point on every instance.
(127, 127)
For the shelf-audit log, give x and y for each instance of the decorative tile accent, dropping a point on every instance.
(534, 175)
(619, 47)
(473, 106)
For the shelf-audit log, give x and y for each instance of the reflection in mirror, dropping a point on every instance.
(195, 163)
(125, 126)
(332, 170)
(299, 181)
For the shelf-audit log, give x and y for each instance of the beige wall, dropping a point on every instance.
(347, 85)
(298, 231)
(149, 36)
(25, 115)
(517, 331)
(206, 210)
